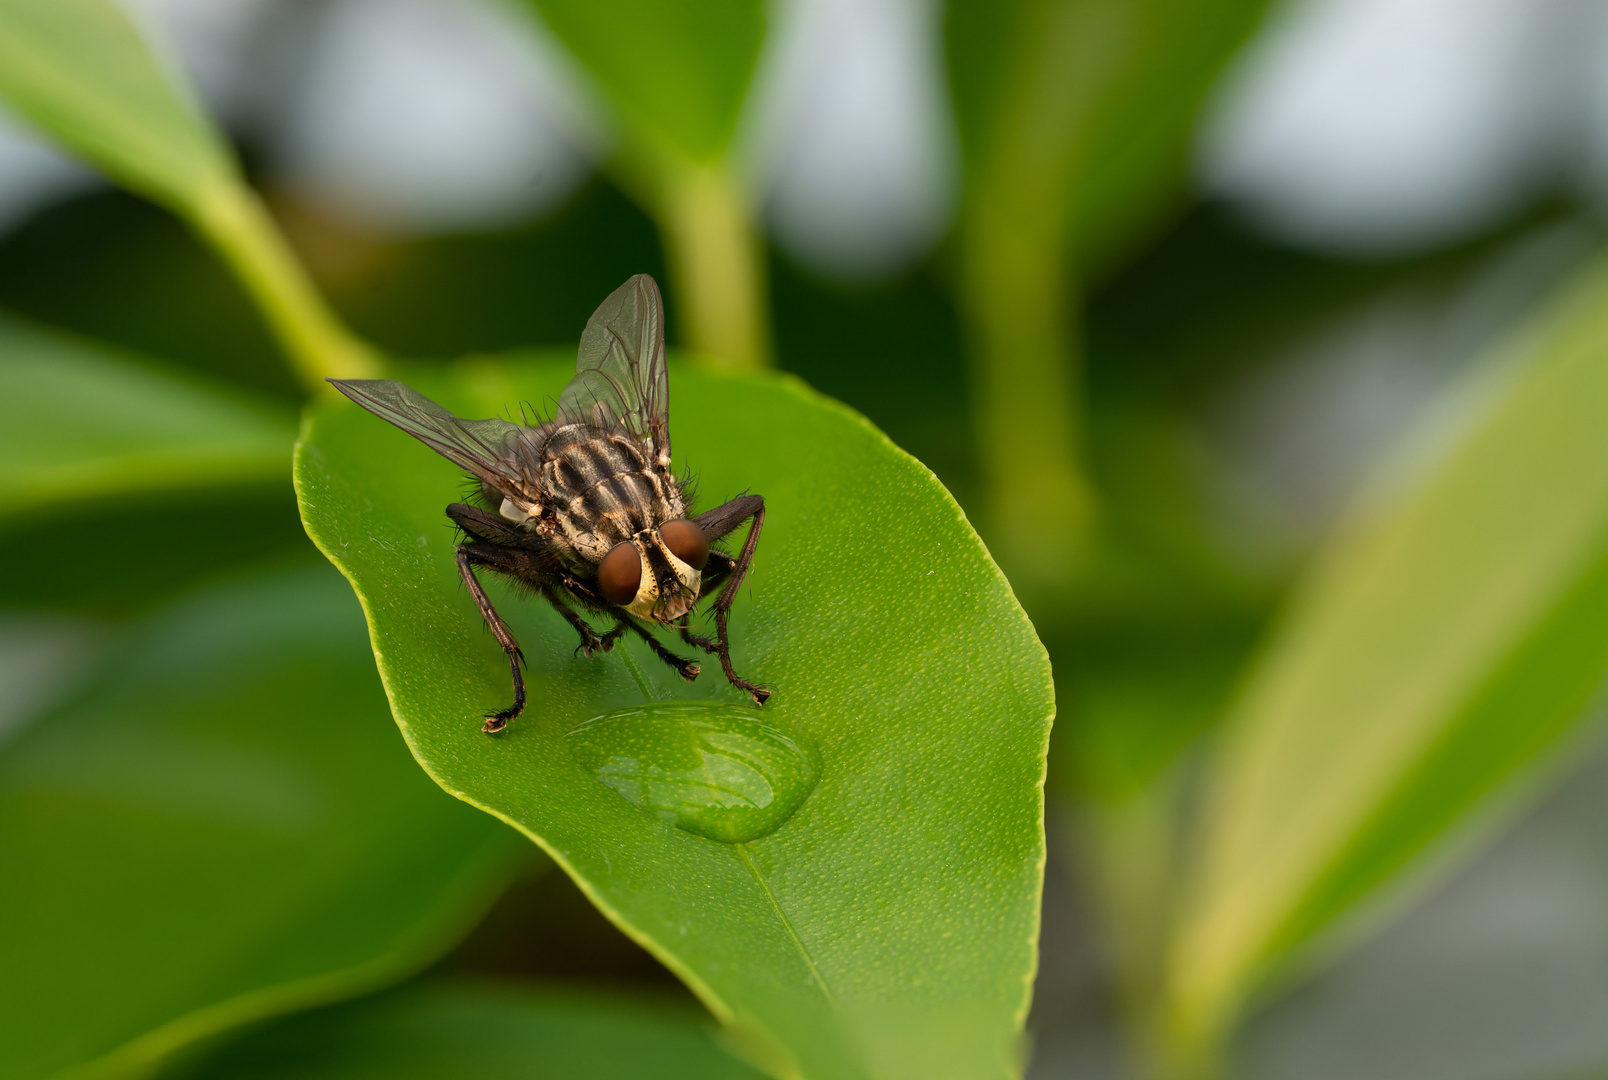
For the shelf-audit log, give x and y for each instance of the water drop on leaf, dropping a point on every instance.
(725, 772)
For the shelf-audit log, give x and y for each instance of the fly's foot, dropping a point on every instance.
(496, 721)
(592, 644)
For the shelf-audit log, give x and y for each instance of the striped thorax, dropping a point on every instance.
(593, 488)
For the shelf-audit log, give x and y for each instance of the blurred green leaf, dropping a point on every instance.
(80, 70)
(448, 1030)
(1134, 150)
(59, 558)
(675, 71)
(888, 928)
(1072, 114)
(1452, 634)
(80, 422)
(1089, 104)
(122, 270)
(221, 829)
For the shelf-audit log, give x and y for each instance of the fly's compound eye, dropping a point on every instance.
(686, 542)
(619, 574)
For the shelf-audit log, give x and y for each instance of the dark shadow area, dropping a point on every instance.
(120, 556)
(545, 928)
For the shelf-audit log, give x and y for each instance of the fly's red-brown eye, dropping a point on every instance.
(686, 542)
(619, 574)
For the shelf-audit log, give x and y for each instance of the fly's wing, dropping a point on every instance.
(487, 448)
(619, 375)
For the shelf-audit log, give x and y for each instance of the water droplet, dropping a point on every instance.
(722, 771)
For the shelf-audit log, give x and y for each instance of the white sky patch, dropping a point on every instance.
(420, 116)
(850, 135)
(212, 42)
(1387, 126)
(33, 173)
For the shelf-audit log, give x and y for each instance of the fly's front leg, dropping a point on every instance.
(591, 641)
(698, 641)
(715, 524)
(687, 669)
(582, 592)
(495, 721)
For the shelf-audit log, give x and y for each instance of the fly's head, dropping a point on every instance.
(658, 573)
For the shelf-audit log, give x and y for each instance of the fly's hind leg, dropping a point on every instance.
(715, 524)
(467, 559)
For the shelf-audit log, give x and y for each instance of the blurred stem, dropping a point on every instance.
(1130, 848)
(1027, 399)
(717, 263)
(1190, 1050)
(317, 344)
(1020, 294)
(1193, 1029)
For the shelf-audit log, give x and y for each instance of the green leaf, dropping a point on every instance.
(1137, 137)
(888, 928)
(80, 70)
(155, 557)
(1066, 108)
(448, 1030)
(675, 71)
(1448, 639)
(1084, 109)
(81, 422)
(221, 829)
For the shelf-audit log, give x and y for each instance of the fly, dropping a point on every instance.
(583, 508)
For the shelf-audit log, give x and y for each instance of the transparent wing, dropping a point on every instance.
(619, 375)
(486, 448)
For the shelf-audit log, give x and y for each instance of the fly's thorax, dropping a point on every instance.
(604, 487)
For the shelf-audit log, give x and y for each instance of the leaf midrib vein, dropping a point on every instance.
(798, 943)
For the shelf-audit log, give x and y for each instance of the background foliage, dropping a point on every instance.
(1287, 715)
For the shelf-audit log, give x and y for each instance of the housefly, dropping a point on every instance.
(583, 508)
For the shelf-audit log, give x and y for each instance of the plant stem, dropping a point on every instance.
(1020, 299)
(1129, 848)
(1189, 1051)
(717, 263)
(318, 346)
(1027, 400)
